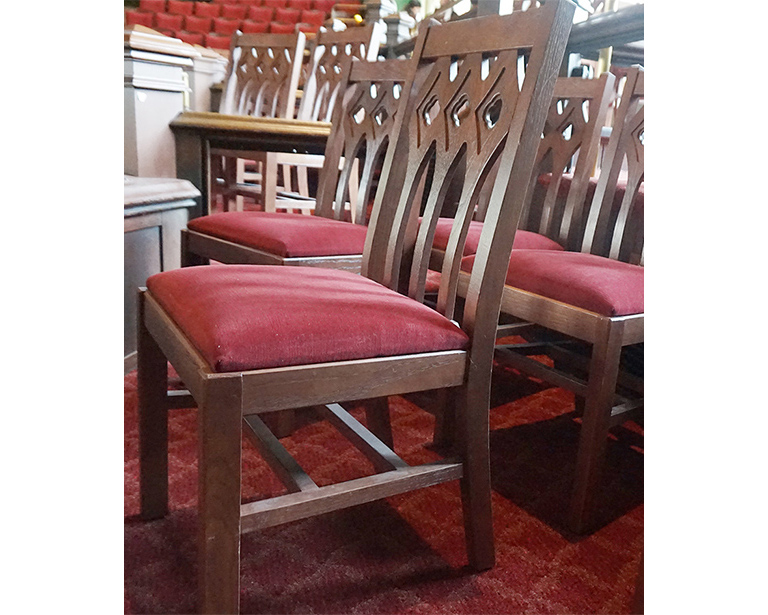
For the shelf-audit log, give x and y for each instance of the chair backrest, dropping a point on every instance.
(328, 52)
(479, 91)
(362, 127)
(570, 144)
(263, 75)
(615, 222)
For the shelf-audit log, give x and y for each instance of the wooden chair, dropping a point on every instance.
(261, 81)
(361, 133)
(319, 94)
(217, 325)
(555, 217)
(594, 297)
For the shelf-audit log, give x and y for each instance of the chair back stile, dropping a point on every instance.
(263, 75)
(362, 124)
(325, 74)
(467, 109)
(615, 230)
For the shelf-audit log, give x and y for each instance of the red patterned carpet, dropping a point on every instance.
(406, 555)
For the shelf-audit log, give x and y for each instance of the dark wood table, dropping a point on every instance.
(198, 133)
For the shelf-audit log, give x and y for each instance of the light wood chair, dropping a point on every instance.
(321, 91)
(261, 81)
(556, 300)
(343, 336)
(360, 135)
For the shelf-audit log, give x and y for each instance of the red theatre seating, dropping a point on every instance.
(166, 21)
(225, 26)
(315, 18)
(275, 4)
(139, 18)
(287, 15)
(234, 11)
(251, 2)
(324, 5)
(217, 41)
(200, 24)
(260, 13)
(301, 5)
(254, 27)
(179, 7)
(193, 38)
(282, 28)
(207, 9)
(152, 6)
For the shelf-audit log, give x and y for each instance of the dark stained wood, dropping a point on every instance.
(604, 235)
(225, 399)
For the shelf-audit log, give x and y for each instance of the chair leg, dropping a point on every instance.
(473, 434)
(377, 419)
(269, 182)
(601, 388)
(445, 419)
(153, 422)
(188, 257)
(219, 459)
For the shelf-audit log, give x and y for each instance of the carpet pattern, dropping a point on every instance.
(406, 554)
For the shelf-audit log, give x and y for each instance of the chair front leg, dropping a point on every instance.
(472, 423)
(219, 459)
(601, 388)
(153, 421)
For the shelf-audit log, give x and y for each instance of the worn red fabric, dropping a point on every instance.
(207, 9)
(524, 240)
(594, 283)
(284, 234)
(243, 317)
(621, 186)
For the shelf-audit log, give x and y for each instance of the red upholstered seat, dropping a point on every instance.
(315, 18)
(260, 13)
(275, 4)
(234, 11)
(193, 23)
(284, 15)
(302, 5)
(193, 38)
(167, 21)
(524, 240)
(180, 7)
(324, 5)
(284, 234)
(217, 41)
(242, 317)
(221, 25)
(282, 28)
(253, 27)
(139, 18)
(587, 281)
(154, 6)
(207, 9)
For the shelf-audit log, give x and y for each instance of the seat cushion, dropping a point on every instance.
(594, 283)
(244, 317)
(284, 234)
(524, 240)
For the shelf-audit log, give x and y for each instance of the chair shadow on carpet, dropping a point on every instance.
(338, 563)
(533, 463)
